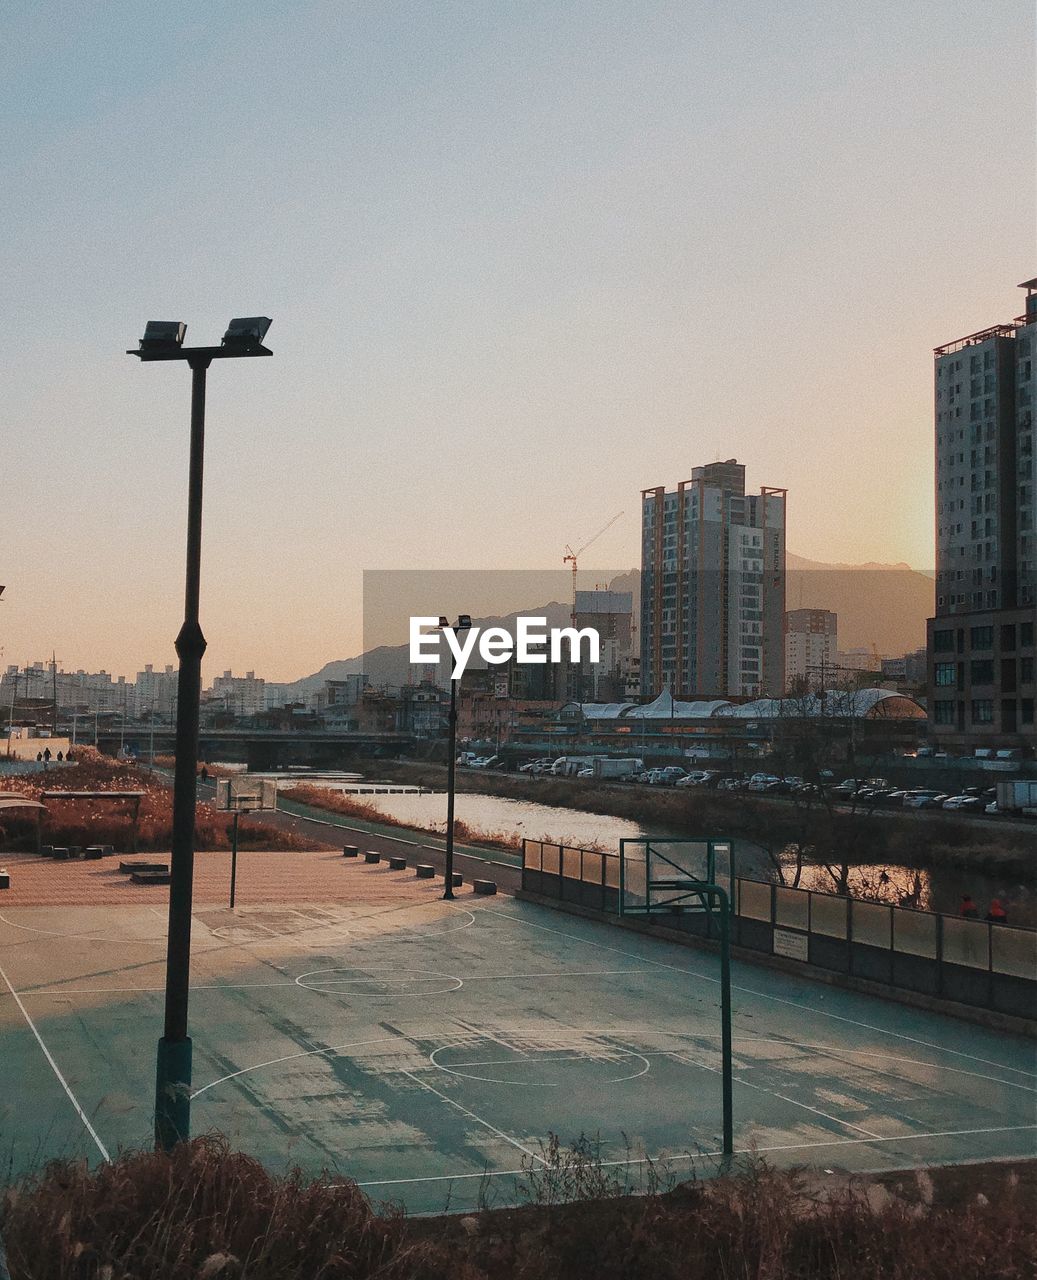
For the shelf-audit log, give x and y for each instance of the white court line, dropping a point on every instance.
(478, 1119)
(709, 1155)
(57, 1070)
(288, 1057)
(761, 995)
(290, 936)
(247, 986)
(624, 1033)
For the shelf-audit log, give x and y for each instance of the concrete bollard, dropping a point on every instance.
(424, 871)
(5, 878)
(372, 856)
(457, 879)
(484, 886)
(397, 864)
(350, 851)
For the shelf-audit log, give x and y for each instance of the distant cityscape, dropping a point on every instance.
(709, 624)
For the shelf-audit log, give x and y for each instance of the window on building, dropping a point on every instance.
(943, 674)
(982, 711)
(1026, 635)
(981, 637)
(943, 641)
(982, 671)
(943, 712)
(1026, 671)
(1026, 710)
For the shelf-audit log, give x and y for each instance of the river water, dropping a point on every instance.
(936, 890)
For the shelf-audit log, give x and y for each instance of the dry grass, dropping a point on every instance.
(356, 807)
(205, 1213)
(85, 822)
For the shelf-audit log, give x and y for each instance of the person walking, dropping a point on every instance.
(997, 913)
(969, 910)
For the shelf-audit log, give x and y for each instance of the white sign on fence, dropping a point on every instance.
(793, 945)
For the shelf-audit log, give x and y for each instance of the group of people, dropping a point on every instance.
(44, 757)
(996, 912)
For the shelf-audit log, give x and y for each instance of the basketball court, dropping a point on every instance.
(344, 1016)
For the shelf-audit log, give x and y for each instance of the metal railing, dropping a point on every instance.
(975, 962)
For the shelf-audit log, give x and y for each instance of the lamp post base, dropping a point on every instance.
(173, 1093)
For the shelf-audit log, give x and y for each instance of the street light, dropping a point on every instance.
(163, 340)
(464, 623)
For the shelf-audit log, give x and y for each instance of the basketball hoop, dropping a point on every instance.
(240, 795)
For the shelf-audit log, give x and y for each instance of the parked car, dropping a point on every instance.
(668, 776)
(972, 804)
(697, 778)
(762, 781)
(486, 762)
(536, 766)
(924, 799)
(585, 773)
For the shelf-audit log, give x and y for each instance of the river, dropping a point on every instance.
(937, 890)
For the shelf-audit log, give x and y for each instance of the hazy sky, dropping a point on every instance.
(524, 258)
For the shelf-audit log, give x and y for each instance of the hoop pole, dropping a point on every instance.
(234, 858)
(725, 1021)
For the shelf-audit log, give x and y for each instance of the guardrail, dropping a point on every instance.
(973, 962)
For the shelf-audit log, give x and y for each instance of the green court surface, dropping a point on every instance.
(427, 1049)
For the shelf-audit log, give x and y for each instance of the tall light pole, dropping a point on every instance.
(163, 340)
(464, 623)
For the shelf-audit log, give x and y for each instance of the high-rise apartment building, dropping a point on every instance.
(981, 641)
(811, 648)
(713, 587)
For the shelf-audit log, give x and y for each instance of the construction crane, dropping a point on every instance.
(572, 556)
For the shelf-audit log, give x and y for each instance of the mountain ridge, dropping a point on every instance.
(880, 606)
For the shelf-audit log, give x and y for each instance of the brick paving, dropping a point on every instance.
(263, 877)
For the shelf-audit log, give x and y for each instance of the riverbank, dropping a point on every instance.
(829, 837)
(352, 806)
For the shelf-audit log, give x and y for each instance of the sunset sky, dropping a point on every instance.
(523, 258)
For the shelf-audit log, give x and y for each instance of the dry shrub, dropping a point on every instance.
(85, 822)
(206, 1213)
(201, 1211)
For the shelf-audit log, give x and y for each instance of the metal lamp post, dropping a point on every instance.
(464, 623)
(163, 340)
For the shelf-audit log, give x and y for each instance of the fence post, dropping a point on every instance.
(939, 955)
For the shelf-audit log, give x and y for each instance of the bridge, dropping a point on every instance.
(260, 748)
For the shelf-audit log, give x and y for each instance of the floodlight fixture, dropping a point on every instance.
(444, 621)
(464, 622)
(163, 335)
(248, 331)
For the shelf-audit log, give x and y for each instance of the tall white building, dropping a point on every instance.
(713, 587)
(240, 695)
(155, 693)
(811, 646)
